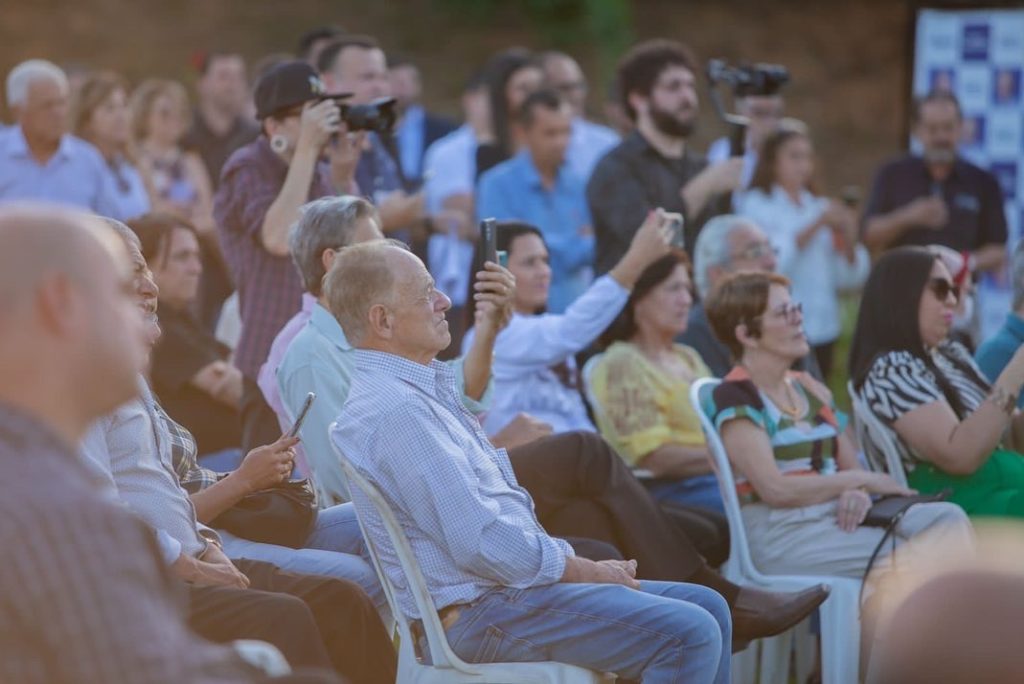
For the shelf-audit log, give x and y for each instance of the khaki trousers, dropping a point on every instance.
(807, 540)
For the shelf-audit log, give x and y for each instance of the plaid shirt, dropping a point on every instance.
(269, 287)
(84, 596)
(193, 477)
(470, 524)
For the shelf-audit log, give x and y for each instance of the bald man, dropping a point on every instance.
(84, 596)
(490, 568)
(589, 141)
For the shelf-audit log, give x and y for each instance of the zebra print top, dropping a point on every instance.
(900, 382)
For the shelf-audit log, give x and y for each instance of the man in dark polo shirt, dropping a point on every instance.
(654, 167)
(938, 197)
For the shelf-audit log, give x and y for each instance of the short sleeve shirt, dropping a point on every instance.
(801, 445)
(900, 382)
(972, 196)
(642, 408)
(269, 287)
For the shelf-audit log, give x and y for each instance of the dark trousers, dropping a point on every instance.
(582, 488)
(352, 637)
(259, 422)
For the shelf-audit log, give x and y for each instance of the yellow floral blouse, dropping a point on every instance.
(640, 406)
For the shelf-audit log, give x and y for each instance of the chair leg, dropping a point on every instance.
(840, 634)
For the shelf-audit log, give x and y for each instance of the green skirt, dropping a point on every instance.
(995, 489)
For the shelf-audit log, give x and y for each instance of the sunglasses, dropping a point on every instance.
(942, 288)
(756, 251)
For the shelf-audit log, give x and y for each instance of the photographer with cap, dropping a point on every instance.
(303, 153)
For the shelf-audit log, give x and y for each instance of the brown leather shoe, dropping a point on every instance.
(758, 614)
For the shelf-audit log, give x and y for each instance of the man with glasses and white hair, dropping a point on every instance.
(727, 244)
(39, 159)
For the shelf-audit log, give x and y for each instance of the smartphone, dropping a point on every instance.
(489, 240)
(677, 232)
(302, 414)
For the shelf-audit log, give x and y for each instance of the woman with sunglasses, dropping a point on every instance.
(802, 491)
(953, 427)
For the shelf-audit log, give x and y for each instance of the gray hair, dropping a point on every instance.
(326, 223)
(361, 278)
(713, 249)
(27, 73)
(1017, 275)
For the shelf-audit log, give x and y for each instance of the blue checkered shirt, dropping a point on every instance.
(471, 526)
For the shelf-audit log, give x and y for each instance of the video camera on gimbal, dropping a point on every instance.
(745, 81)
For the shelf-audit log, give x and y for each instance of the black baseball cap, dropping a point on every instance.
(289, 84)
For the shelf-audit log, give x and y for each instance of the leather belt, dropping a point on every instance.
(449, 615)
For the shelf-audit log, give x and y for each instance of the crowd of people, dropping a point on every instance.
(177, 279)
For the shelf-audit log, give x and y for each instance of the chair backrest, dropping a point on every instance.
(872, 435)
(587, 375)
(739, 549)
(441, 654)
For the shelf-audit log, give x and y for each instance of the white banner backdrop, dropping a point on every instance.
(979, 56)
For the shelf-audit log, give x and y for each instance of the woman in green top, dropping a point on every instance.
(952, 427)
(804, 493)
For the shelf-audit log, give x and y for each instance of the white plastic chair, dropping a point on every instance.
(840, 613)
(446, 666)
(873, 435)
(263, 656)
(586, 374)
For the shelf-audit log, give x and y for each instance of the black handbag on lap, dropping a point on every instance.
(886, 513)
(283, 515)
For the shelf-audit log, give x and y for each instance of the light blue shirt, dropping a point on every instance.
(75, 175)
(320, 359)
(410, 141)
(526, 350)
(130, 196)
(471, 526)
(513, 190)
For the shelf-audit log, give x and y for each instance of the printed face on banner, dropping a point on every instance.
(1006, 86)
(973, 131)
(942, 79)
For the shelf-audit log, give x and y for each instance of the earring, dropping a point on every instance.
(279, 143)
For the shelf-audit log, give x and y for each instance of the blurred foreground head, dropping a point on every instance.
(71, 335)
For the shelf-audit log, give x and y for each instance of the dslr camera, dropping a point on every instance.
(745, 81)
(756, 79)
(378, 116)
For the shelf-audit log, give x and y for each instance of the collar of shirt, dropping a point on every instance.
(20, 429)
(804, 200)
(429, 379)
(328, 326)
(17, 145)
(523, 163)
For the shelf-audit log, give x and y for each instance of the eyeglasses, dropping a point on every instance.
(756, 251)
(942, 288)
(790, 312)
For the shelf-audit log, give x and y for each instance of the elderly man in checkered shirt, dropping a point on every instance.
(507, 591)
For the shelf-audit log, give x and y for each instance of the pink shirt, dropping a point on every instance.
(267, 379)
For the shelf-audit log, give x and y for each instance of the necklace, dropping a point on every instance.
(793, 410)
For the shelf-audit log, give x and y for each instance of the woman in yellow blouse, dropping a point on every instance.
(642, 386)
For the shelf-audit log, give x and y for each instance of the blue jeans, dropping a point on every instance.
(335, 548)
(699, 490)
(666, 632)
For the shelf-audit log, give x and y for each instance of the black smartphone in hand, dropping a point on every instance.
(489, 240)
(302, 414)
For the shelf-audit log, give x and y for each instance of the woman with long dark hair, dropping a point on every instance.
(534, 366)
(511, 76)
(953, 427)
